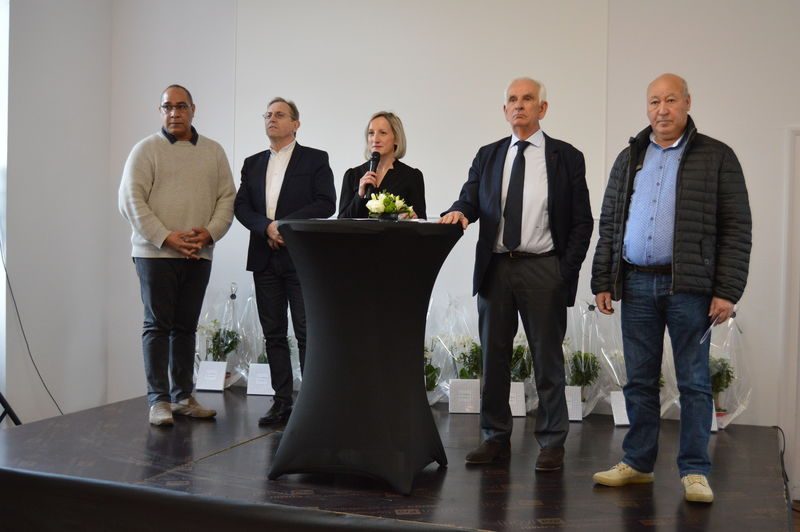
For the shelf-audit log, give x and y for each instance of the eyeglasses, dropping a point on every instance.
(280, 115)
(168, 108)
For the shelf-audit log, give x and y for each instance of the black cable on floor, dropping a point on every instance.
(25, 336)
(785, 475)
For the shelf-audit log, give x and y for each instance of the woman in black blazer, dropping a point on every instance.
(385, 135)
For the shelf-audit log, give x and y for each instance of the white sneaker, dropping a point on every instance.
(696, 488)
(620, 475)
(161, 414)
(190, 407)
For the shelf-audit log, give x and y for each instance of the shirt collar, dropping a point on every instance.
(289, 147)
(675, 144)
(173, 139)
(537, 139)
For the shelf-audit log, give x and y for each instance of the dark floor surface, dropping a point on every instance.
(229, 457)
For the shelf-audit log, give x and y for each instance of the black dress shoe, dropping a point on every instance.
(278, 414)
(489, 451)
(550, 459)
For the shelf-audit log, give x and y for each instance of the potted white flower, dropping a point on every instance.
(388, 206)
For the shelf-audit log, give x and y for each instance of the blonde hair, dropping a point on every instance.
(397, 130)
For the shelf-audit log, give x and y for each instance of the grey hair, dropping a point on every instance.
(542, 90)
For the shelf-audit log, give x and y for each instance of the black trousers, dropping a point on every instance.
(278, 288)
(172, 293)
(531, 288)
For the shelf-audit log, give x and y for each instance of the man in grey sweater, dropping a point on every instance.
(177, 193)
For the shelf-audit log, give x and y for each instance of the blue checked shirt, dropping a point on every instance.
(651, 217)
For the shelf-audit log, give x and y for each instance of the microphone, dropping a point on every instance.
(373, 166)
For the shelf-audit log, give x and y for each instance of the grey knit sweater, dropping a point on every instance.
(174, 187)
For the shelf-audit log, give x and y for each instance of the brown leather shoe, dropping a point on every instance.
(550, 459)
(489, 451)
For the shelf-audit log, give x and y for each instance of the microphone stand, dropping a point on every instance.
(8, 410)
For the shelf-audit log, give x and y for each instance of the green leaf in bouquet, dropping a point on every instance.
(520, 363)
(471, 361)
(722, 375)
(721, 372)
(431, 376)
(223, 341)
(584, 368)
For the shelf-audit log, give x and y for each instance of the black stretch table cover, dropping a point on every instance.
(363, 408)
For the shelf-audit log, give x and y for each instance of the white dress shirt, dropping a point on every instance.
(536, 237)
(276, 170)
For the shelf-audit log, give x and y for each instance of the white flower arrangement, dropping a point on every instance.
(384, 203)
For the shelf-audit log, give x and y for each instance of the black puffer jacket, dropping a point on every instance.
(712, 240)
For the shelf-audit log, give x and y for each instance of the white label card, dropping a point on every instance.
(516, 399)
(714, 425)
(618, 409)
(211, 376)
(574, 403)
(465, 396)
(259, 380)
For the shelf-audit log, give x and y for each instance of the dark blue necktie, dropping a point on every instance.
(512, 230)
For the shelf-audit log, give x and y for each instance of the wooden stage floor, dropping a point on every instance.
(228, 458)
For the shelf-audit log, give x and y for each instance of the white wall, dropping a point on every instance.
(85, 80)
(741, 65)
(57, 167)
(4, 21)
(789, 398)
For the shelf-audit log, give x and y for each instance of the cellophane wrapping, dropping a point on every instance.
(219, 338)
(254, 349)
(582, 364)
(729, 373)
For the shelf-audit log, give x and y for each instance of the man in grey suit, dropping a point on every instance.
(529, 192)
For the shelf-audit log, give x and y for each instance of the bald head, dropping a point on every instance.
(674, 80)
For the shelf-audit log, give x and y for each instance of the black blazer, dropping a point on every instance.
(307, 192)
(567, 205)
(401, 180)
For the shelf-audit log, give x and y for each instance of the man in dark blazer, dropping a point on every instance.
(529, 192)
(286, 182)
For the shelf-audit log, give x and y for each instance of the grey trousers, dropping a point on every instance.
(172, 294)
(533, 289)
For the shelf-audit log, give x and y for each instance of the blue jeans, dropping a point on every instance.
(172, 294)
(647, 307)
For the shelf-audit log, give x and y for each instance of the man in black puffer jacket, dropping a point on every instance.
(674, 246)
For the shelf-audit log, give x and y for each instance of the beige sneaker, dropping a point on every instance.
(160, 414)
(696, 488)
(190, 407)
(620, 475)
